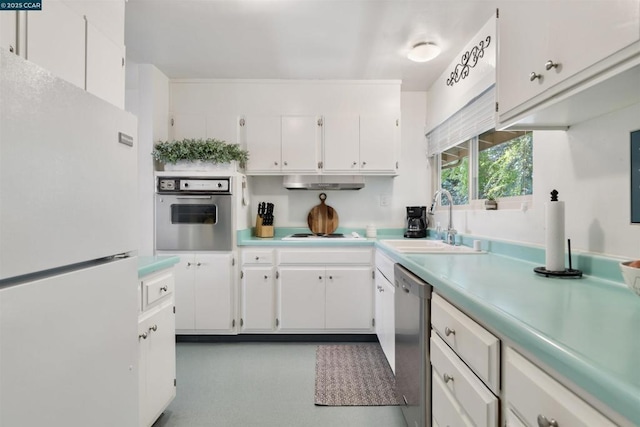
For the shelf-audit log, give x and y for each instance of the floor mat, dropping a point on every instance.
(353, 375)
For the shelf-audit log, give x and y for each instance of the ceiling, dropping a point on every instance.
(301, 39)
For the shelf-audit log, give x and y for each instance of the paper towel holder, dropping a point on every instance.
(566, 273)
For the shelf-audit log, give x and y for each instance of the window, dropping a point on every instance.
(495, 164)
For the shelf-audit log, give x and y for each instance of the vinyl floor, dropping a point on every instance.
(258, 384)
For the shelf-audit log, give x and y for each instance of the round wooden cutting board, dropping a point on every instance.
(322, 219)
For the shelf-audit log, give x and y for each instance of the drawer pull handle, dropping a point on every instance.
(164, 288)
(545, 422)
(447, 378)
(534, 76)
(448, 331)
(153, 328)
(550, 64)
(143, 336)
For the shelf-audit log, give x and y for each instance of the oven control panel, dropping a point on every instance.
(194, 185)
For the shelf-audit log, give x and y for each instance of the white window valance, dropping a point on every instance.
(478, 116)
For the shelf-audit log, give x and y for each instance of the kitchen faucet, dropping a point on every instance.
(451, 232)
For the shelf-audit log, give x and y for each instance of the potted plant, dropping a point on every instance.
(199, 154)
(490, 203)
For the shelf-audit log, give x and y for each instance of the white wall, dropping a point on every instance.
(356, 209)
(589, 166)
(147, 96)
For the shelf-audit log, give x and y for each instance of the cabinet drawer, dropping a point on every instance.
(477, 347)
(328, 256)
(531, 394)
(385, 265)
(157, 287)
(257, 257)
(469, 392)
(445, 410)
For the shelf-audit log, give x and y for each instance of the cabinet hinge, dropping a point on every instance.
(277, 322)
(373, 274)
(497, 13)
(373, 322)
(241, 274)
(233, 323)
(174, 309)
(233, 261)
(242, 122)
(174, 382)
(277, 274)
(320, 165)
(320, 122)
(172, 122)
(496, 106)
(241, 322)
(123, 62)
(397, 165)
(397, 122)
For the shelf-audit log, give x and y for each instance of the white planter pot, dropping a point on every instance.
(200, 166)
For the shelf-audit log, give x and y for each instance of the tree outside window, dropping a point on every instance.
(504, 163)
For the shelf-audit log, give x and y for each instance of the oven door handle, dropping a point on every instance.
(194, 197)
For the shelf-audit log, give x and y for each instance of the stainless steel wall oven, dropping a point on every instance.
(194, 214)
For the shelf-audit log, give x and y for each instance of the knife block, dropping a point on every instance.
(263, 230)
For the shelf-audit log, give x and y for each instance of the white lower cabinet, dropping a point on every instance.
(385, 307)
(465, 362)
(306, 291)
(205, 297)
(533, 398)
(156, 346)
(453, 381)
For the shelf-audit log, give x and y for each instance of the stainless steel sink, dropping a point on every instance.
(427, 247)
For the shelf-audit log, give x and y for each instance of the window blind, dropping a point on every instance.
(478, 116)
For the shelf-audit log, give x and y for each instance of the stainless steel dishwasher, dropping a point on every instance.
(413, 373)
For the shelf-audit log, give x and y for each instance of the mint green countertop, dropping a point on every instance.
(151, 264)
(585, 329)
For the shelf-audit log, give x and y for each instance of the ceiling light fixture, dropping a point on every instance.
(423, 52)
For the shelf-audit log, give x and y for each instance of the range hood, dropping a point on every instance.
(323, 182)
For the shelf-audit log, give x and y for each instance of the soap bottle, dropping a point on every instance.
(438, 231)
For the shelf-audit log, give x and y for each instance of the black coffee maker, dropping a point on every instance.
(416, 222)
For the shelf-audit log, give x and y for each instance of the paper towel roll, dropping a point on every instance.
(554, 236)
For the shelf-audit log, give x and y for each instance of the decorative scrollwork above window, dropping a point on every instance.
(469, 60)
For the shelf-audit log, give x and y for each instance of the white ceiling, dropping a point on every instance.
(300, 39)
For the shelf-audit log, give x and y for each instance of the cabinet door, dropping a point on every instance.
(301, 295)
(385, 322)
(258, 299)
(535, 396)
(56, 41)
(222, 127)
(105, 67)
(161, 361)
(262, 139)
(349, 298)
(300, 143)
(214, 293)
(341, 144)
(561, 31)
(185, 293)
(379, 136)
(8, 28)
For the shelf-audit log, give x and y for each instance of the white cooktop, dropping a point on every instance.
(313, 237)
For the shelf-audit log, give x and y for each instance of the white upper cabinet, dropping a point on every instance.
(378, 144)
(282, 144)
(8, 28)
(360, 144)
(561, 49)
(105, 67)
(56, 41)
(223, 127)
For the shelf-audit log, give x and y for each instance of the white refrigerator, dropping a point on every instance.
(68, 265)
